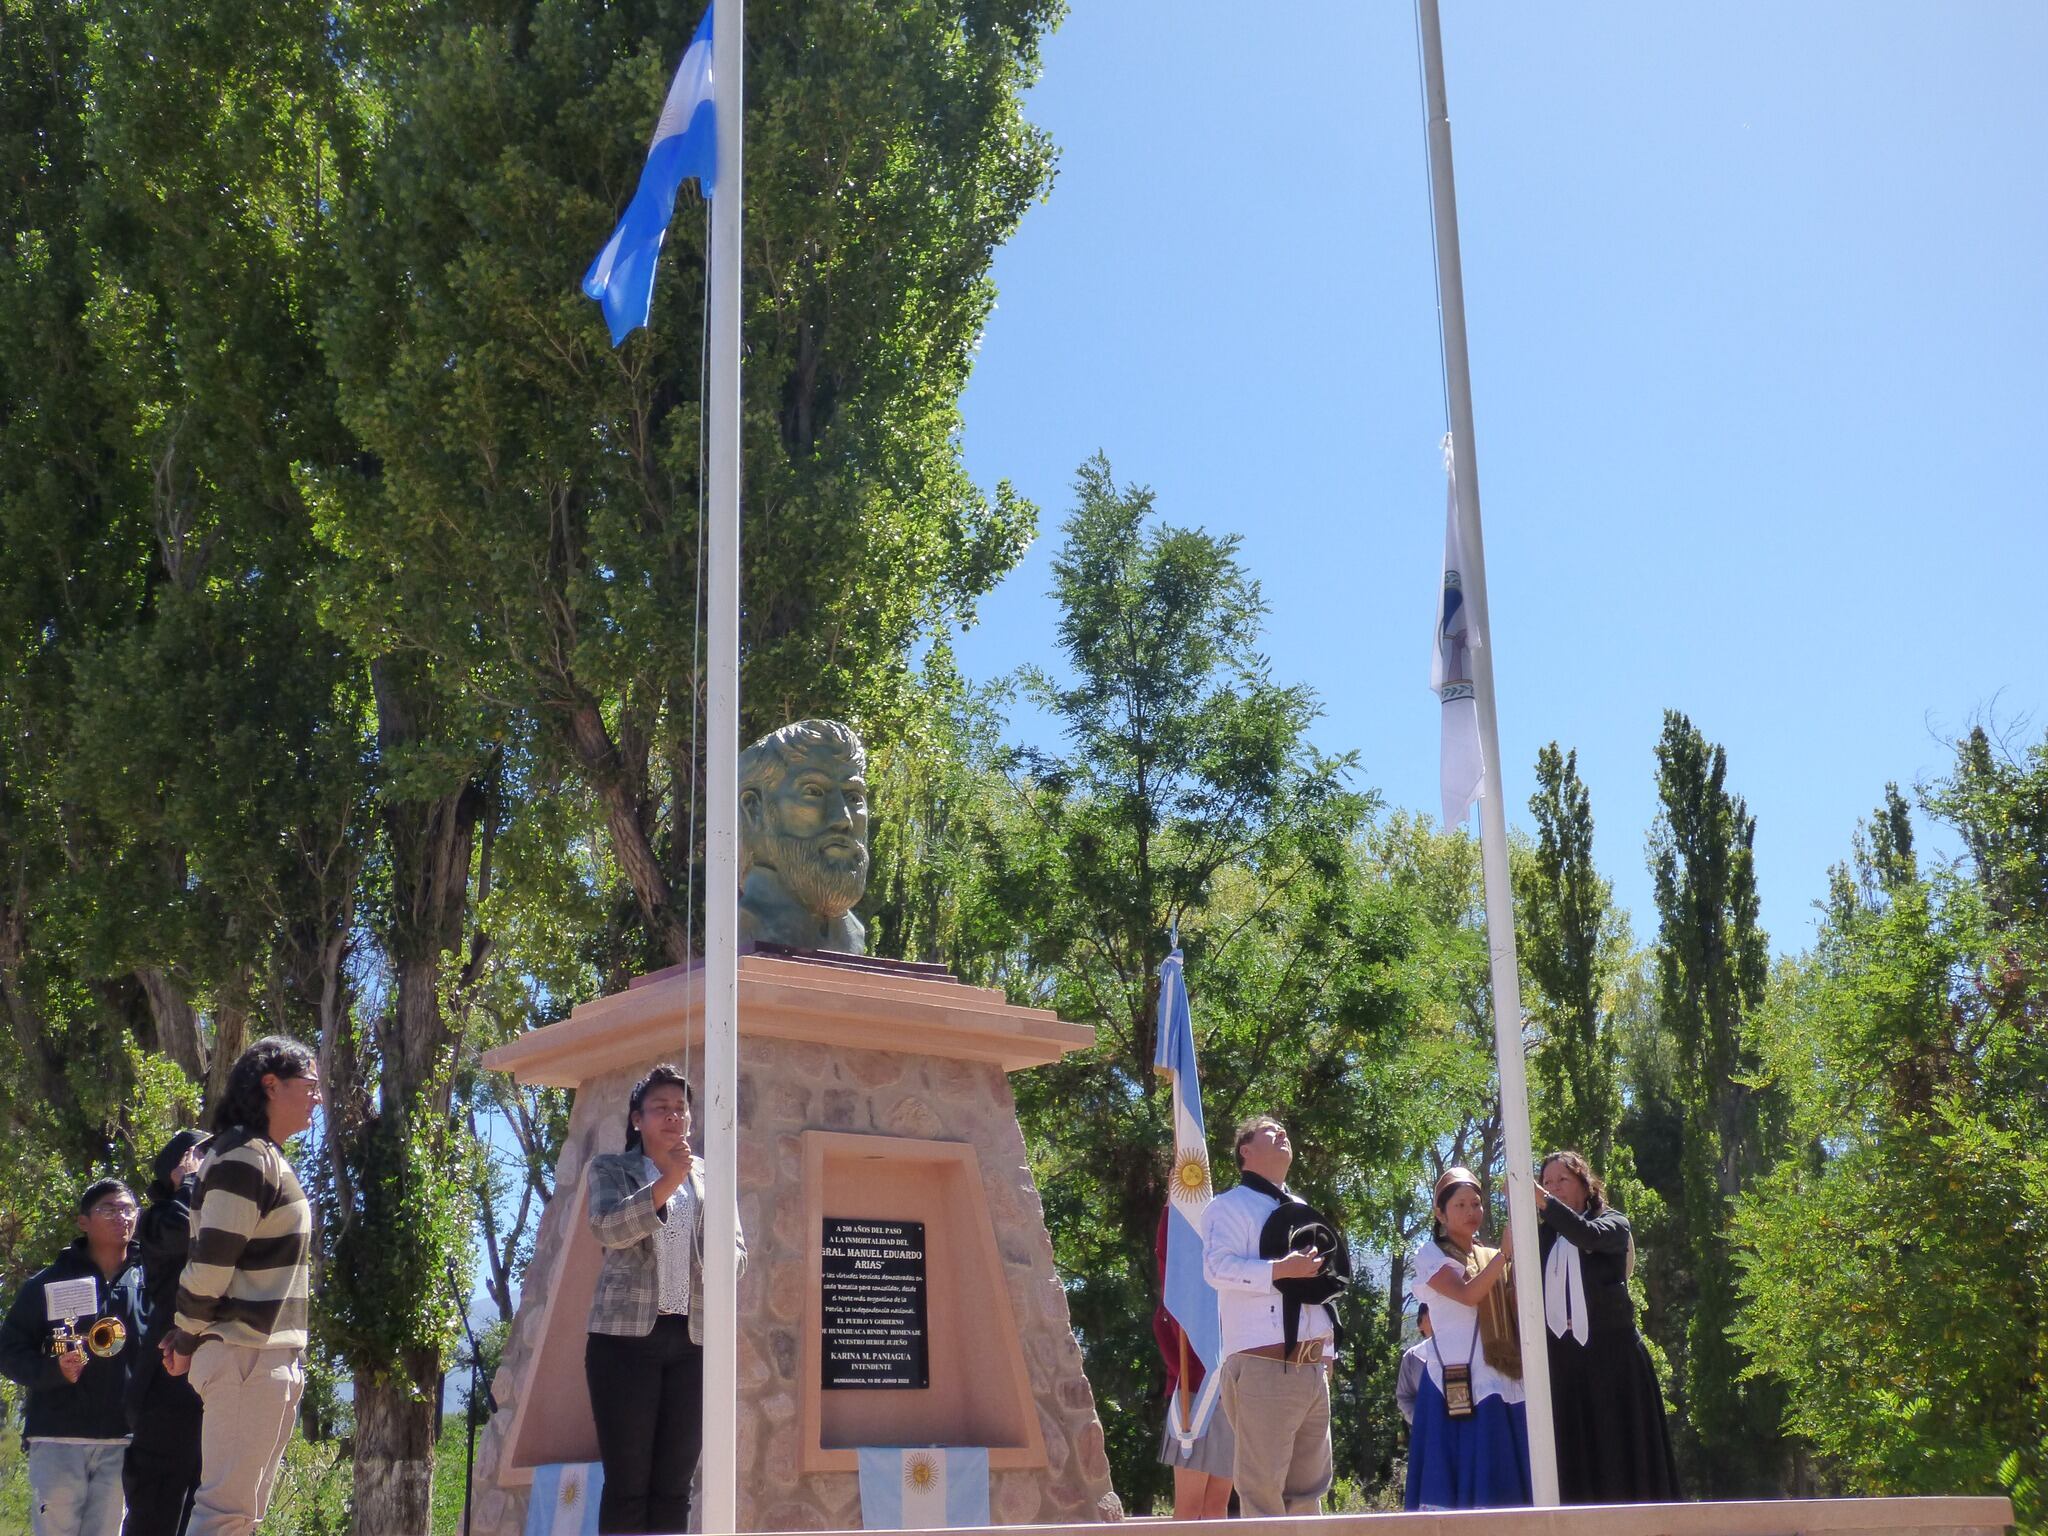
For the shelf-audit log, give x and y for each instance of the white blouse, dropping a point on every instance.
(1457, 1329)
(672, 1245)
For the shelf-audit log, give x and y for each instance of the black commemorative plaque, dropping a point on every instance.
(874, 1304)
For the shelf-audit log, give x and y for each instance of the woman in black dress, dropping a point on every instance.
(160, 1473)
(1613, 1446)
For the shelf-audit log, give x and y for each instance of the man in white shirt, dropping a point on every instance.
(1277, 1398)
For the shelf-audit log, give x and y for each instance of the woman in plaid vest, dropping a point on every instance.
(644, 1358)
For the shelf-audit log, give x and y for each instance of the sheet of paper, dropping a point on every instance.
(66, 1301)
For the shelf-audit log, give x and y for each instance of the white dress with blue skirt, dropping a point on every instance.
(1478, 1462)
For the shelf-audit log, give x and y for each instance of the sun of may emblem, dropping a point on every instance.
(920, 1472)
(572, 1490)
(1191, 1174)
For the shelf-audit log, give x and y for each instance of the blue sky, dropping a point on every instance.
(1758, 299)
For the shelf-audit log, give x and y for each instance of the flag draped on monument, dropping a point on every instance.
(685, 144)
(1189, 1297)
(923, 1488)
(1450, 668)
(563, 1501)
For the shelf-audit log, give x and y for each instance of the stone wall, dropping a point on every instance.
(787, 1087)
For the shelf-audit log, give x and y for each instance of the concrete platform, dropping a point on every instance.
(1779, 1517)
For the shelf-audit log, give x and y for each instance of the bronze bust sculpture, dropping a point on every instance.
(804, 838)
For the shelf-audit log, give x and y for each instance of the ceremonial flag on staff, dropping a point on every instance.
(685, 144)
(1450, 669)
(923, 1488)
(1190, 1299)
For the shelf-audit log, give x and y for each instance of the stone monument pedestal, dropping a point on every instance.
(878, 1138)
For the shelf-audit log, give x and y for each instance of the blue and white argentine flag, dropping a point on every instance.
(1189, 1296)
(563, 1500)
(685, 145)
(923, 1488)
(1450, 669)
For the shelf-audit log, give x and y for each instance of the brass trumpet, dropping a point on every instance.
(106, 1337)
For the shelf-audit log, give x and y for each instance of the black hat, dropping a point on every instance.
(168, 1159)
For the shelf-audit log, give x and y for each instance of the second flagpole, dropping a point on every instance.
(1493, 822)
(720, 1485)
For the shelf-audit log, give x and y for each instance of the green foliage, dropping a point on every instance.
(387, 1287)
(1711, 970)
(42, 1176)
(14, 1495)
(1893, 1260)
(1188, 797)
(924, 787)
(449, 1453)
(527, 501)
(347, 682)
(1585, 990)
(312, 1493)
(1573, 942)
(346, 667)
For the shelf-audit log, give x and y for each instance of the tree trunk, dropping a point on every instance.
(230, 1035)
(430, 839)
(26, 1025)
(394, 1455)
(176, 1020)
(626, 819)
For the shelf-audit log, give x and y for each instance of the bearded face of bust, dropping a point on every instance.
(804, 831)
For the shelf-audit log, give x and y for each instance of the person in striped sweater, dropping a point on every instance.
(240, 1327)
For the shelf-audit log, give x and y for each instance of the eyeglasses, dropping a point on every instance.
(665, 1112)
(114, 1208)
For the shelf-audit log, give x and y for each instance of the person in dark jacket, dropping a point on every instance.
(76, 1366)
(161, 1471)
(1613, 1446)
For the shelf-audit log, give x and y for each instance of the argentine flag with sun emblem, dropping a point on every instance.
(563, 1501)
(923, 1488)
(1189, 1296)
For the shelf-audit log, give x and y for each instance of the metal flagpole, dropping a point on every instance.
(1493, 823)
(720, 1490)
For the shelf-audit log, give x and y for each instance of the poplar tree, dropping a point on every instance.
(1185, 794)
(1712, 965)
(527, 502)
(337, 533)
(1892, 1259)
(1572, 944)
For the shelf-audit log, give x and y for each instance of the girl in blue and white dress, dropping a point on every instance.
(1470, 1447)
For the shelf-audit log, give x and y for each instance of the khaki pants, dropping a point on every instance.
(250, 1396)
(1281, 1416)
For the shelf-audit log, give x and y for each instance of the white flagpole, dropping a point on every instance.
(1493, 822)
(720, 1486)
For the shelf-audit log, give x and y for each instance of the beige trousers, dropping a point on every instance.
(1280, 1414)
(250, 1396)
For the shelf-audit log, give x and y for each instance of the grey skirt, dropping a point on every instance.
(1215, 1449)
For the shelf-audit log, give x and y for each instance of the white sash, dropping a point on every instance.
(1564, 1292)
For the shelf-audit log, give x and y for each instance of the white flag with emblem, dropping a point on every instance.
(1450, 668)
